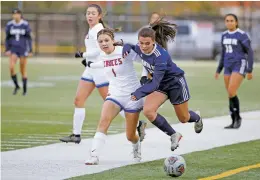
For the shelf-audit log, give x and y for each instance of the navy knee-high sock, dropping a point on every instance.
(161, 123)
(194, 117)
(14, 78)
(24, 85)
(236, 106)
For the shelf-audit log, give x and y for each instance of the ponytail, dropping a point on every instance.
(164, 32)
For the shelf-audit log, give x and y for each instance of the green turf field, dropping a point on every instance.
(199, 165)
(45, 114)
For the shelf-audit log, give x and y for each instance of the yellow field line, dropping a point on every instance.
(231, 172)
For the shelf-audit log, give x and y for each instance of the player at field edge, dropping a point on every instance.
(237, 61)
(168, 81)
(91, 78)
(122, 81)
(18, 44)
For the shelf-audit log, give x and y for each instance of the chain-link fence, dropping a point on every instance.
(63, 34)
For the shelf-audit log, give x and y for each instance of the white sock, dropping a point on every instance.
(78, 119)
(135, 145)
(98, 143)
(122, 113)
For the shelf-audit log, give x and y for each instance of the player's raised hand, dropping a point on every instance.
(125, 54)
(133, 98)
(84, 62)
(249, 76)
(78, 54)
(216, 75)
(126, 50)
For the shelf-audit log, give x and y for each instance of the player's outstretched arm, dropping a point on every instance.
(159, 71)
(127, 49)
(93, 65)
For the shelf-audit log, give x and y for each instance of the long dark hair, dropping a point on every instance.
(234, 16)
(161, 31)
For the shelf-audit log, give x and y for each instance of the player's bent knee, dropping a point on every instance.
(149, 113)
(78, 102)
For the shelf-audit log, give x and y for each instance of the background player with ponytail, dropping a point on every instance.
(168, 81)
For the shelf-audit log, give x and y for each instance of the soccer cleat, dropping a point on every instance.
(198, 126)
(71, 138)
(231, 126)
(24, 93)
(15, 90)
(141, 129)
(92, 161)
(237, 123)
(175, 139)
(137, 152)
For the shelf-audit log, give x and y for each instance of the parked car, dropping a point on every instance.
(193, 40)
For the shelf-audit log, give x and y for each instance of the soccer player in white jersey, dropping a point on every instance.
(122, 81)
(91, 78)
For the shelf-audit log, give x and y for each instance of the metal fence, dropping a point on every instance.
(63, 34)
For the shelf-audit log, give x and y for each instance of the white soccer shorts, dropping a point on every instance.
(96, 76)
(126, 103)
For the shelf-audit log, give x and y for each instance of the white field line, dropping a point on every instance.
(7, 148)
(16, 145)
(61, 160)
(21, 142)
(73, 61)
(32, 140)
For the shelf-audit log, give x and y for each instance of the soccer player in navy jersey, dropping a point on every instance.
(237, 61)
(18, 44)
(168, 81)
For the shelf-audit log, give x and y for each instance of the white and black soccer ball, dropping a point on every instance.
(174, 166)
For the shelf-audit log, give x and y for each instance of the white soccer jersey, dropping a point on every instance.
(92, 47)
(119, 72)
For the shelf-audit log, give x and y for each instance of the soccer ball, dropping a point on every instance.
(174, 165)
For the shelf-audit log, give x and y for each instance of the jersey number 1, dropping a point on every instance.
(229, 49)
(113, 71)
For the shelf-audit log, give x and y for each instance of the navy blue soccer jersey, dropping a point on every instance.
(18, 36)
(160, 65)
(236, 48)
